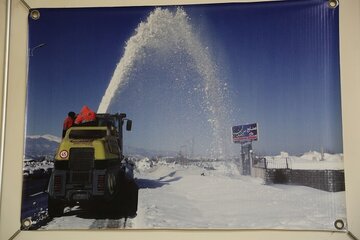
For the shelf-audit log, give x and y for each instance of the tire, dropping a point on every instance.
(129, 199)
(55, 208)
(133, 199)
(115, 206)
(125, 202)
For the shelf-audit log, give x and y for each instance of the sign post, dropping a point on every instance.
(245, 135)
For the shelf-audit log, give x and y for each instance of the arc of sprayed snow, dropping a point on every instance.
(125, 64)
(143, 34)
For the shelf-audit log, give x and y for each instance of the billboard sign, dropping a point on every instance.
(245, 133)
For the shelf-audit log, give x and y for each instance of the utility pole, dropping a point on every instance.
(192, 146)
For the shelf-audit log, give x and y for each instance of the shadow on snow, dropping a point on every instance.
(157, 183)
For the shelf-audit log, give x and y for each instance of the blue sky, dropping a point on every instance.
(280, 61)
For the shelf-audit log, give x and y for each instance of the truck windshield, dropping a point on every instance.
(107, 122)
(87, 134)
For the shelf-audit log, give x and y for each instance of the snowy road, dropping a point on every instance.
(77, 218)
(76, 222)
(178, 196)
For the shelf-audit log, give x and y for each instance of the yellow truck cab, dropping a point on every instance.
(89, 167)
(80, 140)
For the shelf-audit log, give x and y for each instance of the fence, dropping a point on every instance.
(273, 171)
(271, 163)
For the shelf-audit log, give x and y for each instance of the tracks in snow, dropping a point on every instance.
(111, 224)
(79, 219)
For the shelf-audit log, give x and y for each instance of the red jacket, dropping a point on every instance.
(85, 115)
(68, 122)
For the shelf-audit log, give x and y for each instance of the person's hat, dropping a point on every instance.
(71, 114)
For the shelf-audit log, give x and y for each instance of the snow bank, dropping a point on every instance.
(311, 160)
(143, 164)
(37, 168)
(204, 166)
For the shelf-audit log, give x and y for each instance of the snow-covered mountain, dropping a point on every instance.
(48, 137)
(39, 146)
(42, 145)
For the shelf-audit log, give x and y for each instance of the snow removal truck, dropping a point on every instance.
(90, 169)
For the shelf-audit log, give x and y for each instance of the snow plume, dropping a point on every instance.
(163, 30)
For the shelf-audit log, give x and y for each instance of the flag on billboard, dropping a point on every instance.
(245, 133)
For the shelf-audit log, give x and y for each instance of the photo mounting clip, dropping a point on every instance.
(333, 4)
(35, 14)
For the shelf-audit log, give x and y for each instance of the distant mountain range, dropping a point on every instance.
(128, 150)
(48, 137)
(38, 146)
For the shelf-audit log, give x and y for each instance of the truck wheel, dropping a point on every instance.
(133, 199)
(55, 208)
(129, 199)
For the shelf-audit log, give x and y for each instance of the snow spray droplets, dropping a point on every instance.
(166, 29)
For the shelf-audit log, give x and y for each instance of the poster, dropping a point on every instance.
(184, 75)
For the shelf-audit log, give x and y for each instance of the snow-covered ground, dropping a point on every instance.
(177, 196)
(182, 193)
(32, 167)
(76, 218)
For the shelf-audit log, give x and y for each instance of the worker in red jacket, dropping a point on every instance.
(68, 122)
(85, 115)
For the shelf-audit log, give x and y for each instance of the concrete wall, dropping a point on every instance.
(327, 180)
